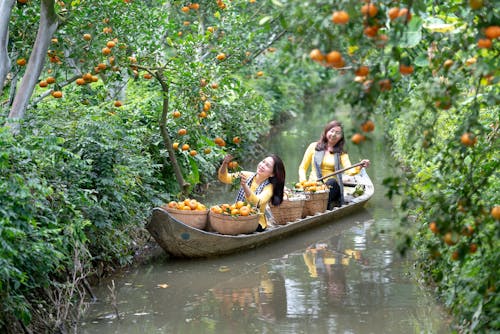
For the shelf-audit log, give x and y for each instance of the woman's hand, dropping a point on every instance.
(243, 180)
(365, 163)
(227, 159)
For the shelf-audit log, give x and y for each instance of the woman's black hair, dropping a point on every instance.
(278, 180)
(323, 141)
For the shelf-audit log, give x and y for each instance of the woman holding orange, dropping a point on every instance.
(259, 188)
(325, 157)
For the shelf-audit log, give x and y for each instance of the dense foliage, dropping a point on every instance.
(137, 102)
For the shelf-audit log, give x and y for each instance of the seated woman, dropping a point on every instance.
(259, 188)
(325, 157)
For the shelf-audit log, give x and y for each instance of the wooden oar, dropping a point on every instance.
(339, 171)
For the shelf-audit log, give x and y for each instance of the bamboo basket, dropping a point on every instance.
(194, 218)
(316, 202)
(288, 211)
(233, 225)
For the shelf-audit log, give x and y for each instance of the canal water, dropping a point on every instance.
(342, 277)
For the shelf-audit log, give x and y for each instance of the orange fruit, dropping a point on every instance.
(80, 81)
(172, 204)
(476, 4)
(405, 69)
(216, 209)
(202, 114)
(471, 61)
(473, 248)
(43, 84)
(111, 44)
(87, 77)
(221, 56)
(185, 9)
(214, 85)
(333, 57)
(101, 66)
(236, 140)
(368, 126)
(239, 204)
(207, 105)
(50, 80)
(207, 150)
(185, 147)
(21, 61)
(233, 164)
(405, 14)
(371, 31)
(175, 145)
(448, 63)
(176, 114)
(317, 55)
(357, 138)
(492, 32)
(244, 211)
(106, 51)
(455, 255)
(393, 13)
(449, 239)
(385, 84)
(433, 227)
(194, 6)
(193, 153)
(369, 9)
(87, 37)
(362, 71)
(468, 139)
(484, 43)
(235, 212)
(340, 17)
(495, 212)
(203, 82)
(57, 94)
(182, 132)
(147, 76)
(117, 103)
(259, 73)
(193, 204)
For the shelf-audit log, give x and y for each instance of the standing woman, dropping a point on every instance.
(325, 157)
(264, 186)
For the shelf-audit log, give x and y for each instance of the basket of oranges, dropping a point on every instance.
(317, 197)
(189, 211)
(237, 218)
(290, 209)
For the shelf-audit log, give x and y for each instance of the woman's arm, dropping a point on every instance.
(260, 199)
(306, 162)
(223, 174)
(344, 158)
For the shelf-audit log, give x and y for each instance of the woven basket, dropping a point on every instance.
(288, 211)
(233, 225)
(316, 202)
(194, 218)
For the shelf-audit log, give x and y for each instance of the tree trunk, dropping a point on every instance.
(6, 9)
(166, 138)
(47, 27)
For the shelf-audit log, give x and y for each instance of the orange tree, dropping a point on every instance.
(87, 97)
(427, 74)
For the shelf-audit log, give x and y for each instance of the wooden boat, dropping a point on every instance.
(181, 240)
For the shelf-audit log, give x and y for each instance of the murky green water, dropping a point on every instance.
(343, 277)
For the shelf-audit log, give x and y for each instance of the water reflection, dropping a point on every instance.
(339, 278)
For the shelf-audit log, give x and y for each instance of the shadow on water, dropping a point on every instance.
(342, 277)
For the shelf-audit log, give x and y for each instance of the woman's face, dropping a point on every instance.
(334, 135)
(265, 167)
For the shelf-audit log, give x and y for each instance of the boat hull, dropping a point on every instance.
(181, 240)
